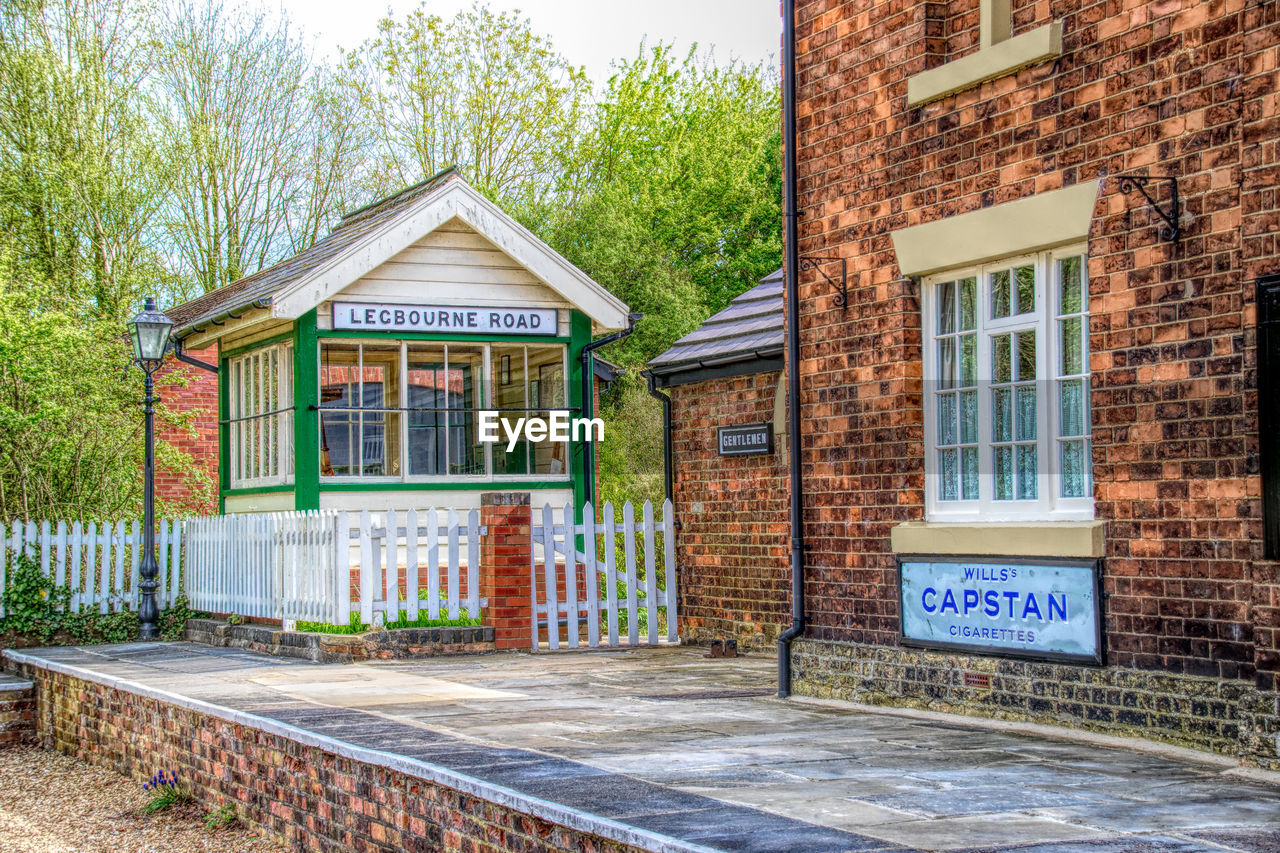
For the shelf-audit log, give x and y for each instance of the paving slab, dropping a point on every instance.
(699, 751)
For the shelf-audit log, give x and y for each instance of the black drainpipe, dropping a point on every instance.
(191, 360)
(667, 470)
(588, 376)
(790, 237)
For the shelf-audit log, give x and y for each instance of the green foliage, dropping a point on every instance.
(630, 457)
(672, 199)
(223, 817)
(38, 610)
(173, 619)
(357, 626)
(481, 91)
(165, 792)
(32, 603)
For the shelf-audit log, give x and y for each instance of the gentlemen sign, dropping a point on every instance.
(1035, 610)
(746, 440)
(377, 317)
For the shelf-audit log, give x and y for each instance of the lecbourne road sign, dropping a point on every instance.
(379, 317)
(1047, 609)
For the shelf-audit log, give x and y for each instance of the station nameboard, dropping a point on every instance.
(1047, 610)
(745, 440)
(380, 317)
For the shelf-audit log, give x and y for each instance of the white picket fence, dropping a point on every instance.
(577, 580)
(98, 562)
(324, 565)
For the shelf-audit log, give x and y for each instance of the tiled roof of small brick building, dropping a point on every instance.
(751, 326)
(262, 285)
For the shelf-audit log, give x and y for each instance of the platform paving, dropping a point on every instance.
(699, 751)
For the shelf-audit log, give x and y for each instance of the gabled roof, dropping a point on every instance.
(750, 328)
(375, 233)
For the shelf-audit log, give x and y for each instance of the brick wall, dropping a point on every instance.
(735, 575)
(1230, 717)
(311, 797)
(1260, 254)
(191, 395)
(1177, 87)
(17, 711)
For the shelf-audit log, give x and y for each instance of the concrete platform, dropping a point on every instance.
(689, 753)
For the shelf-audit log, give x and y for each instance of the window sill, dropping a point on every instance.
(987, 64)
(999, 539)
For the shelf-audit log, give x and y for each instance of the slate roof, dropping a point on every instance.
(750, 327)
(263, 285)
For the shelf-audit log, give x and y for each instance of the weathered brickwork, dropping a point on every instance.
(1168, 87)
(397, 644)
(733, 557)
(17, 712)
(312, 798)
(1226, 716)
(191, 395)
(504, 567)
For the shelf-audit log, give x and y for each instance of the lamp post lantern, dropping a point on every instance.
(149, 332)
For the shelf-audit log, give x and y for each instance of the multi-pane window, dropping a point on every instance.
(410, 410)
(260, 417)
(1007, 379)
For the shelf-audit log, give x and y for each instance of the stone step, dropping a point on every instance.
(17, 711)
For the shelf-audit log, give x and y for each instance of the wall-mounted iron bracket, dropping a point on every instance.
(1170, 230)
(842, 298)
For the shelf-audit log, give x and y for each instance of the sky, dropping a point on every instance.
(590, 33)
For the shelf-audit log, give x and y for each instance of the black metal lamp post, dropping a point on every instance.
(150, 334)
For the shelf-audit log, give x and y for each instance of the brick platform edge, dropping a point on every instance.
(1230, 718)
(398, 644)
(314, 792)
(17, 712)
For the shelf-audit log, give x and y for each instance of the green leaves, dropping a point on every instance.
(482, 91)
(672, 198)
(39, 610)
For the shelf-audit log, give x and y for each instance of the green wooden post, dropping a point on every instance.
(306, 417)
(224, 431)
(579, 336)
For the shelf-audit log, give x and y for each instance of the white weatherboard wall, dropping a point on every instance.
(453, 265)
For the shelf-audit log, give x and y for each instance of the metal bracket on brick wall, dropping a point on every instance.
(841, 299)
(1171, 229)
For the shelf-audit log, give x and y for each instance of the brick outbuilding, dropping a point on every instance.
(1058, 219)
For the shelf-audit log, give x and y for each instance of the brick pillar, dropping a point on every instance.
(504, 568)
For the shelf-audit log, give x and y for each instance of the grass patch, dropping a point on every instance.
(221, 818)
(356, 626)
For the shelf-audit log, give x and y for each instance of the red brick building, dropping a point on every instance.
(190, 395)
(732, 508)
(1037, 365)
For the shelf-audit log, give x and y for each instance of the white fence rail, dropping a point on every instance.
(615, 579)
(99, 563)
(324, 566)
(584, 578)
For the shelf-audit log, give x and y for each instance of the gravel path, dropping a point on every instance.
(50, 803)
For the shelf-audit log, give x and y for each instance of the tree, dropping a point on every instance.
(262, 140)
(673, 198)
(70, 425)
(481, 91)
(79, 171)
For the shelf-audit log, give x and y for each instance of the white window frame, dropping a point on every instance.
(1048, 505)
(253, 409)
(486, 398)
